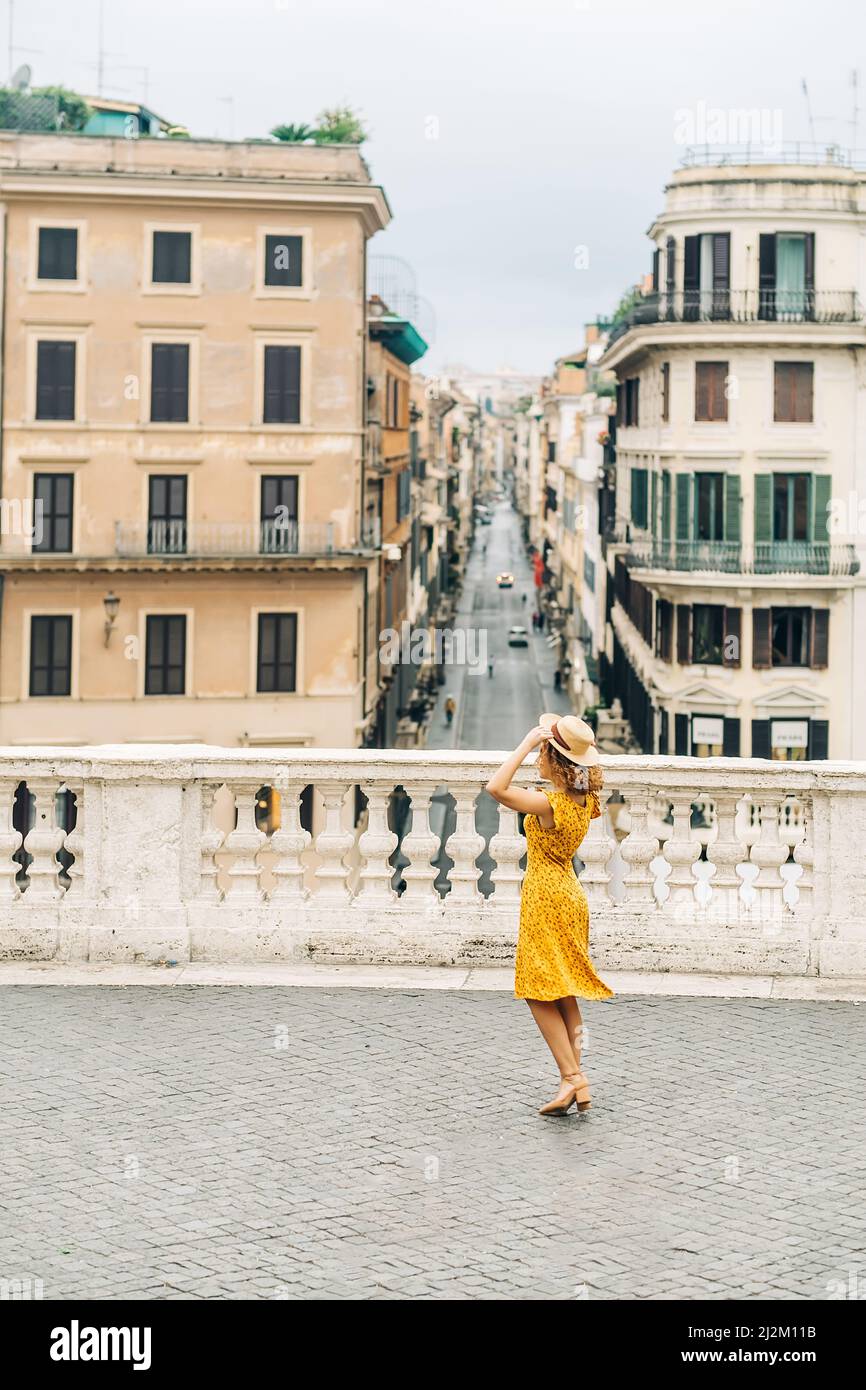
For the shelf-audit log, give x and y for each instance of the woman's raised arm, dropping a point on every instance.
(519, 798)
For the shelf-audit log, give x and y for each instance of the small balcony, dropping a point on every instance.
(742, 306)
(202, 539)
(734, 557)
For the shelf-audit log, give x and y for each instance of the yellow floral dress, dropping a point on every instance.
(553, 943)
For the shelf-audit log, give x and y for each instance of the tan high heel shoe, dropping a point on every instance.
(581, 1090)
(562, 1104)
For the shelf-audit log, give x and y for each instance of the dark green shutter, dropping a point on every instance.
(819, 738)
(654, 511)
(731, 636)
(760, 738)
(732, 506)
(819, 645)
(731, 738)
(821, 486)
(666, 505)
(763, 507)
(684, 531)
(681, 735)
(762, 653)
(639, 480)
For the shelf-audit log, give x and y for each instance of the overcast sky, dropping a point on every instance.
(554, 123)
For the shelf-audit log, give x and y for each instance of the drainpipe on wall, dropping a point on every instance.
(3, 228)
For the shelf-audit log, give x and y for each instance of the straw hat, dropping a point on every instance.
(572, 737)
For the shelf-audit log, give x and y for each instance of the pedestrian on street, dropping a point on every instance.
(557, 680)
(541, 622)
(523, 598)
(490, 665)
(552, 969)
(450, 707)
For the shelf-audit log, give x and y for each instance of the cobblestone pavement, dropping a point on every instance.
(207, 1142)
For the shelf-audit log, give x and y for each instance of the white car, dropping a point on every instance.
(518, 637)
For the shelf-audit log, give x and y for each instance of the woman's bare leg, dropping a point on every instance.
(553, 1029)
(571, 1015)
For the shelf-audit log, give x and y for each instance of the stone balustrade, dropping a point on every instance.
(193, 852)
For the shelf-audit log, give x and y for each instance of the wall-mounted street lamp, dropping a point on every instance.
(110, 603)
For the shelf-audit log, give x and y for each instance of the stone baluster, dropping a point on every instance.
(243, 844)
(212, 839)
(681, 849)
(332, 843)
(769, 853)
(804, 855)
(288, 844)
(638, 849)
(507, 848)
(376, 846)
(595, 852)
(419, 847)
(464, 847)
(74, 843)
(725, 852)
(10, 841)
(43, 841)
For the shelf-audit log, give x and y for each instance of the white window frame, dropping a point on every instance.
(77, 286)
(302, 291)
(148, 285)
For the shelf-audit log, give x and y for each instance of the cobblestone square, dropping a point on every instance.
(257, 1142)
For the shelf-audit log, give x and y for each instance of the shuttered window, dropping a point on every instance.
(762, 655)
(681, 735)
(790, 637)
(277, 652)
(792, 392)
(282, 404)
(169, 382)
(731, 738)
(165, 654)
(171, 258)
(283, 261)
(632, 401)
(710, 399)
(639, 499)
(166, 514)
(732, 636)
(666, 392)
(58, 253)
(708, 634)
(279, 514)
(666, 505)
(684, 634)
(52, 497)
(50, 655)
(55, 381)
(664, 629)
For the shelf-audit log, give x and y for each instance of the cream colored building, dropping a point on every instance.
(183, 405)
(739, 621)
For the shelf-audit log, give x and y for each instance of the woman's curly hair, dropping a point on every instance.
(568, 775)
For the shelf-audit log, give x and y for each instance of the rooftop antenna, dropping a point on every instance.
(855, 114)
(809, 111)
(13, 49)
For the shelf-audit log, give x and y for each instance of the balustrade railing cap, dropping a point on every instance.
(200, 761)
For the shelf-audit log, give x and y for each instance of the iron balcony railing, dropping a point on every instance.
(764, 305)
(230, 538)
(759, 557)
(764, 151)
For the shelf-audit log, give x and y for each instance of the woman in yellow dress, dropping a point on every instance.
(553, 968)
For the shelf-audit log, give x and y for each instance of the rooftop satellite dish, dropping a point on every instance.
(20, 79)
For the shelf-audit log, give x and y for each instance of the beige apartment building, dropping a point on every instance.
(185, 554)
